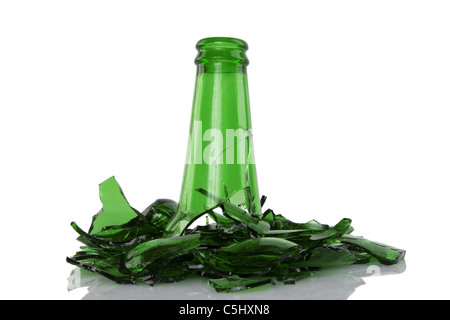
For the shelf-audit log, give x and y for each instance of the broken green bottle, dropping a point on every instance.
(243, 247)
(220, 157)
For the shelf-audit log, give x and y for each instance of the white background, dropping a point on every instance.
(350, 108)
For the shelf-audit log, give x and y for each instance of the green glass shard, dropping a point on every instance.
(326, 256)
(115, 211)
(385, 254)
(335, 232)
(159, 252)
(221, 220)
(160, 212)
(237, 214)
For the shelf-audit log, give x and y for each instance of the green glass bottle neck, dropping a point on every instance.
(220, 67)
(221, 55)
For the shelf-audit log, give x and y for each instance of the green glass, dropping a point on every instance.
(235, 252)
(220, 157)
(116, 209)
(242, 247)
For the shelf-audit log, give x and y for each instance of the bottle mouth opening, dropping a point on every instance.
(222, 50)
(221, 43)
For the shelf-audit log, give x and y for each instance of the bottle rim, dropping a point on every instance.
(222, 51)
(222, 43)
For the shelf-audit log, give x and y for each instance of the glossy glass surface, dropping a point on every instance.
(220, 157)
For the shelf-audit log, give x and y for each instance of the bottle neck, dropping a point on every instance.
(220, 150)
(221, 55)
(221, 67)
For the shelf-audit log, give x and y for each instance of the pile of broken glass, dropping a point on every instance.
(235, 250)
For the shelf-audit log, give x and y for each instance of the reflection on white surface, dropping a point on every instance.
(333, 284)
